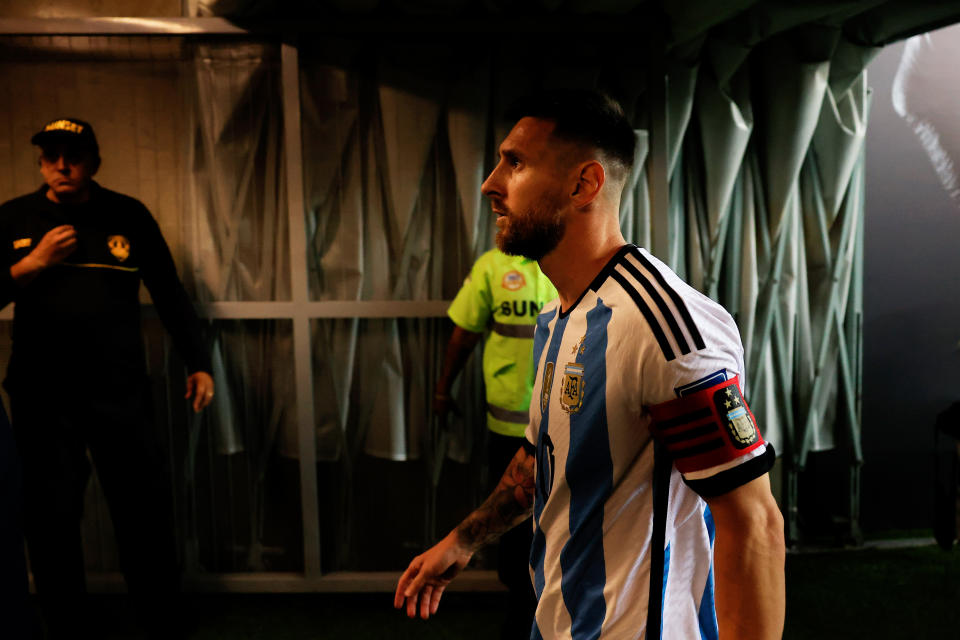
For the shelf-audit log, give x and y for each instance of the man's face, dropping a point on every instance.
(526, 190)
(67, 170)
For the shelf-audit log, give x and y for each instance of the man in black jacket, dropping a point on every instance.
(74, 256)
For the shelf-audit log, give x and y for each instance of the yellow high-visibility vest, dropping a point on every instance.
(502, 296)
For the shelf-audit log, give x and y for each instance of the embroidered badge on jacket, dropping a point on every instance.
(119, 247)
(513, 281)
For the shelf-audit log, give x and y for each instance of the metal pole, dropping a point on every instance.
(659, 157)
(119, 26)
(299, 286)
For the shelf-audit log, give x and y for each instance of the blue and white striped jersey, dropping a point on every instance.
(638, 337)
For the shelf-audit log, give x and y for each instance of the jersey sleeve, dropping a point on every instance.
(472, 307)
(170, 299)
(699, 414)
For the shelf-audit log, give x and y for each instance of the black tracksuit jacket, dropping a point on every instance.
(80, 320)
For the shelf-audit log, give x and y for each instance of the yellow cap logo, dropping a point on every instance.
(64, 125)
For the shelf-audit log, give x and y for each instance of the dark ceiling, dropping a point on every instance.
(677, 27)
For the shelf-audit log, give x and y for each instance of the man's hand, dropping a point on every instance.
(443, 406)
(200, 387)
(429, 574)
(53, 248)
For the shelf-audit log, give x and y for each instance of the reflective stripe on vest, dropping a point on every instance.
(514, 330)
(506, 415)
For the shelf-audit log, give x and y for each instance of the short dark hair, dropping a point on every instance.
(583, 117)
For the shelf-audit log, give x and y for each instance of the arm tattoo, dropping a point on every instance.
(509, 504)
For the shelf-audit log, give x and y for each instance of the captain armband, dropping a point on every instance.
(708, 428)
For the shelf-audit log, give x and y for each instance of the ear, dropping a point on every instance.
(589, 182)
(94, 165)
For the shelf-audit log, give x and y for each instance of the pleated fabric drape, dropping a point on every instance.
(765, 210)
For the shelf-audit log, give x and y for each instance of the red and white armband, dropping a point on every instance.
(707, 428)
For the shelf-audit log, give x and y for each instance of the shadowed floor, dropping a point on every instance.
(865, 593)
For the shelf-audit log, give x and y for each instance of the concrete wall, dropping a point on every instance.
(911, 307)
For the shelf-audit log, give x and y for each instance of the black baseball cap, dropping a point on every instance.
(67, 131)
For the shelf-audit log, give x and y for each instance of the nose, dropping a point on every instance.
(61, 164)
(492, 185)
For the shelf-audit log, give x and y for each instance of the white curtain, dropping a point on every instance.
(397, 141)
(767, 204)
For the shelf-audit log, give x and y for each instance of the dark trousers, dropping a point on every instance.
(513, 551)
(53, 432)
(15, 612)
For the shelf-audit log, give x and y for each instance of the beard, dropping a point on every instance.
(534, 233)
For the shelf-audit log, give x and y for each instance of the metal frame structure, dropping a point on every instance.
(846, 328)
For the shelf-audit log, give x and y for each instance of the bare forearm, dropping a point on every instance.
(459, 348)
(25, 270)
(56, 244)
(750, 589)
(509, 505)
(749, 567)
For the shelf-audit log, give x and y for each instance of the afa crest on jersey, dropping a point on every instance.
(119, 247)
(513, 281)
(571, 389)
(737, 419)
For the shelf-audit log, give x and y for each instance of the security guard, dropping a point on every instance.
(73, 257)
(501, 298)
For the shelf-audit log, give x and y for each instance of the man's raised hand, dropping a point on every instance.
(55, 246)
